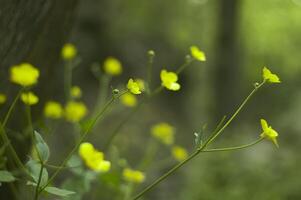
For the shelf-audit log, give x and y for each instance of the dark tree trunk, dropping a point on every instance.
(226, 76)
(33, 31)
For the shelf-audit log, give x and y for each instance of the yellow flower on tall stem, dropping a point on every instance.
(197, 53)
(268, 132)
(133, 87)
(53, 110)
(269, 76)
(112, 66)
(24, 74)
(75, 111)
(69, 51)
(93, 158)
(29, 98)
(169, 80)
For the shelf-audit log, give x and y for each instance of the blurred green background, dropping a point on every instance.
(239, 38)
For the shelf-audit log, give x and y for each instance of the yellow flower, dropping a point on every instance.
(179, 153)
(197, 53)
(269, 132)
(163, 132)
(24, 74)
(269, 76)
(75, 111)
(76, 92)
(2, 98)
(53, 110)
(169, 80)
(140, 83)
(112, 66)
(29, 98)
(133, 176)
(128, 99)
(93, 158)
(69, 51)
(133, 87)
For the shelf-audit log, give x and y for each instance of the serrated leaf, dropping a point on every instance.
(42, 147)
(58, 191)
(34, 168)
(6, 176)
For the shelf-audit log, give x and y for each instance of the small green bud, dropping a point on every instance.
(256, 85)
(151, 53)
(115, 91)
(188, 58)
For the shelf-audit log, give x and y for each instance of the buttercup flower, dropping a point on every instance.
(197, 53)
(133, 176)
(169, 80)
(2, 98)
(112, 66)
(53, 110)
(269, 132)
(163, 132)
(69, 51)
(24, 74)
(179, 153)
(29, 98)
(133, 87)
(93, 158)
(76, 92)
(75, 111)
(269, 76)
(129, 100)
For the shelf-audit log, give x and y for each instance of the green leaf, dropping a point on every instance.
(6, 176)
(58, 191)
(42, 147)
(34, 168)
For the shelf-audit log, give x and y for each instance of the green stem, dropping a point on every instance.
(214, 136)
(234, 148)
(104, 82)
(151, 56)
(36, 196)
(5, 137)
(67, 79)
(82, 138)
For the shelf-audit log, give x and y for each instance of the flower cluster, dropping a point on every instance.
(93, 158)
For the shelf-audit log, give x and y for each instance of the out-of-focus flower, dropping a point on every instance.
(112, 66)
(75, 111)
(53, 110)
(169, 80)
(29, 98)
(140, 83)
(268, 132)
(197, 53)
(269, 76)
(69, 51)
(163, 132)
(179, 153)
(133, 176)
(2, 98)
(24, 74)
(133, 87)
(75, 92)
(128, 100)
(93, 158)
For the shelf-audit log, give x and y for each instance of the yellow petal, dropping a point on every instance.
(264, 125)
